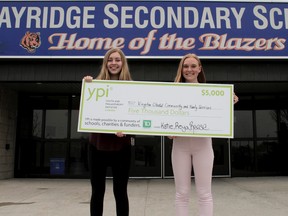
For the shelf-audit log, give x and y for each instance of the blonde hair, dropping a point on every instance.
(179, 77)
(124, 73)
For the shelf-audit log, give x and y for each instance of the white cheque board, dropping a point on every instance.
(157, 108)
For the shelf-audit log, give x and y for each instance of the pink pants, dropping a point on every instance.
(196, 152)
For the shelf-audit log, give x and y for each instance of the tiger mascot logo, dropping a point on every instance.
(31, 41)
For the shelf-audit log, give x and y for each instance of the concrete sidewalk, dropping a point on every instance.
(265, 196)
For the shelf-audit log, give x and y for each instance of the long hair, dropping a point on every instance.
(124, 73)
(179, 77)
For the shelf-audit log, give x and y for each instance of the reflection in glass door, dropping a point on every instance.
(78, 152)
(222, 167)
(146, 157)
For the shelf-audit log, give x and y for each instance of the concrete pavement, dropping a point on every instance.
(263, 196)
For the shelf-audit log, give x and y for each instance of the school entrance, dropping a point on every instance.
(48, 94)
(48, 144)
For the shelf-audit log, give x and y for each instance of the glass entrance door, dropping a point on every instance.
(146, 157)
(222, 166)
(48, 132)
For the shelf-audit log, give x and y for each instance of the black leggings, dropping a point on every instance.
(119, 161)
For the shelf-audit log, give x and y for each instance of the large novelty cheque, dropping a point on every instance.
(156, 108)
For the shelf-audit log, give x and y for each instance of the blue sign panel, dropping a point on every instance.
(163, 29)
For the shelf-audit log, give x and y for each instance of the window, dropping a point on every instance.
(74, 125)
(56, 124)
(37, 123)
(266, 121)
(243, 124)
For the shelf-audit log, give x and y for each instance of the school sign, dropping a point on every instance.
(143, 29)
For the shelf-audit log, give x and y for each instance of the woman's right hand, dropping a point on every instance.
(88, 78)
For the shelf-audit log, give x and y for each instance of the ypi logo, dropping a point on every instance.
(31, 41)
(146, 123)
(98, 93)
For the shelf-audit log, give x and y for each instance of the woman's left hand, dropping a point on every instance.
(120, 134)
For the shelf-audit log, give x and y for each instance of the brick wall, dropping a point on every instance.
(8, 122)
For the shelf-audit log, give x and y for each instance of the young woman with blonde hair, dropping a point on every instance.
(110, 150)
(196, 152)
